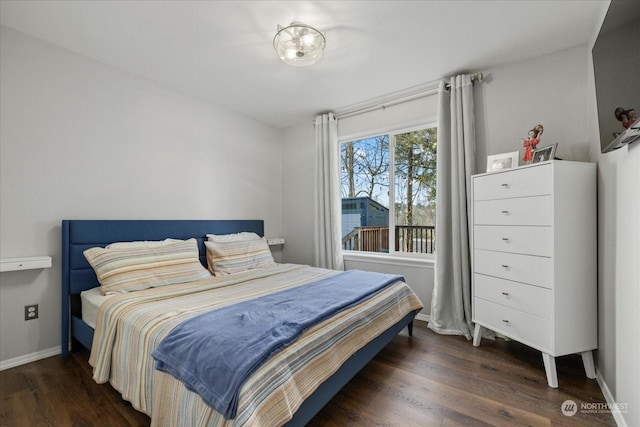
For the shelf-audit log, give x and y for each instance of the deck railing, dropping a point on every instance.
(408, 238)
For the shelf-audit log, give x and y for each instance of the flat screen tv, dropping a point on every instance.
(616, 63)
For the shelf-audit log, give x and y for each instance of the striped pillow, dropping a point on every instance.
(235, 257)
(136, 268)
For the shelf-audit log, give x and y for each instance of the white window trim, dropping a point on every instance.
(408, 260)
(396, 258)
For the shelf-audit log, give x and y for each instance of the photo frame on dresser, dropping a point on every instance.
(545, 153)
(501, 162)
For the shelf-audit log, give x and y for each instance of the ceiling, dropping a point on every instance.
(221, 51)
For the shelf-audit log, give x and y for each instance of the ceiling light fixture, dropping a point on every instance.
(299, 44)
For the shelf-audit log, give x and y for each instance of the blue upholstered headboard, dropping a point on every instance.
(79, 235)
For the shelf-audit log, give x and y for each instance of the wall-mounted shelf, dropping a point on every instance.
(24, 263)
(273, 241)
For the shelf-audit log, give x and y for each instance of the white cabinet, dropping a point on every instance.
(534, 259)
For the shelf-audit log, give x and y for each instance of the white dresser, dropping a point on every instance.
(534, 259)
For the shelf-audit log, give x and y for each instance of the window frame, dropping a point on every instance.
(391, 132)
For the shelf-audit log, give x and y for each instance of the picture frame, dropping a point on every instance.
(504, 161)
(544, 154)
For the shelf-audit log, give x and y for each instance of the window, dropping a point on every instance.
(398, 167)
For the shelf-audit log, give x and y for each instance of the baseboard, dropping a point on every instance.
(608, 396)
(28, 358)
(423, 317)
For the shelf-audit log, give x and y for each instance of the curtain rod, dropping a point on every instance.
(422, 92)
(477, 77)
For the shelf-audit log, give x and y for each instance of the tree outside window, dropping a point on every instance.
(370, 223)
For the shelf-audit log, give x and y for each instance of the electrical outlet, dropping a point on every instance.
(30, 312)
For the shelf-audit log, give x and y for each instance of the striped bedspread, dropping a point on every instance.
(130, 326)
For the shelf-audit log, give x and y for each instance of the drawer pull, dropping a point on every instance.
(505, 185)
(505, 239)
(506, 294)
(505, 212)
(505, 266)
(505, 321)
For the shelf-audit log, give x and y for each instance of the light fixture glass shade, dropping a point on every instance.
(299, 44)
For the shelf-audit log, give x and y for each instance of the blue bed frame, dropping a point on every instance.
(77, 276)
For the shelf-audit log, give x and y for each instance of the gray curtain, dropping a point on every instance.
(328, 210)
(451, 300)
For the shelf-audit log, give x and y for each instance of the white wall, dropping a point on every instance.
(298, 160)
(541, 90)
(550, 90)
(80, 140)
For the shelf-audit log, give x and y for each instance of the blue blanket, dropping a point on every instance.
(214, 353)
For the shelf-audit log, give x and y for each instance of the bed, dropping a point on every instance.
(163, 397)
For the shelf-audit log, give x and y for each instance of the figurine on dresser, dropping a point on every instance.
(627, 117)
(533, 138)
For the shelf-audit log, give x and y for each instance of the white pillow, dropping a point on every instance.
(235, 237)
(141, 244)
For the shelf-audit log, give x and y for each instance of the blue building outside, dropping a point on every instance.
(363, 212)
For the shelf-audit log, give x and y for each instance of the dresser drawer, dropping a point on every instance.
(531, 181)
(534, 270)
(521, 240)
(528, 329)
(530, 299)
(519, 211)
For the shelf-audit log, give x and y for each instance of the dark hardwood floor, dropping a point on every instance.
(424, 380)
